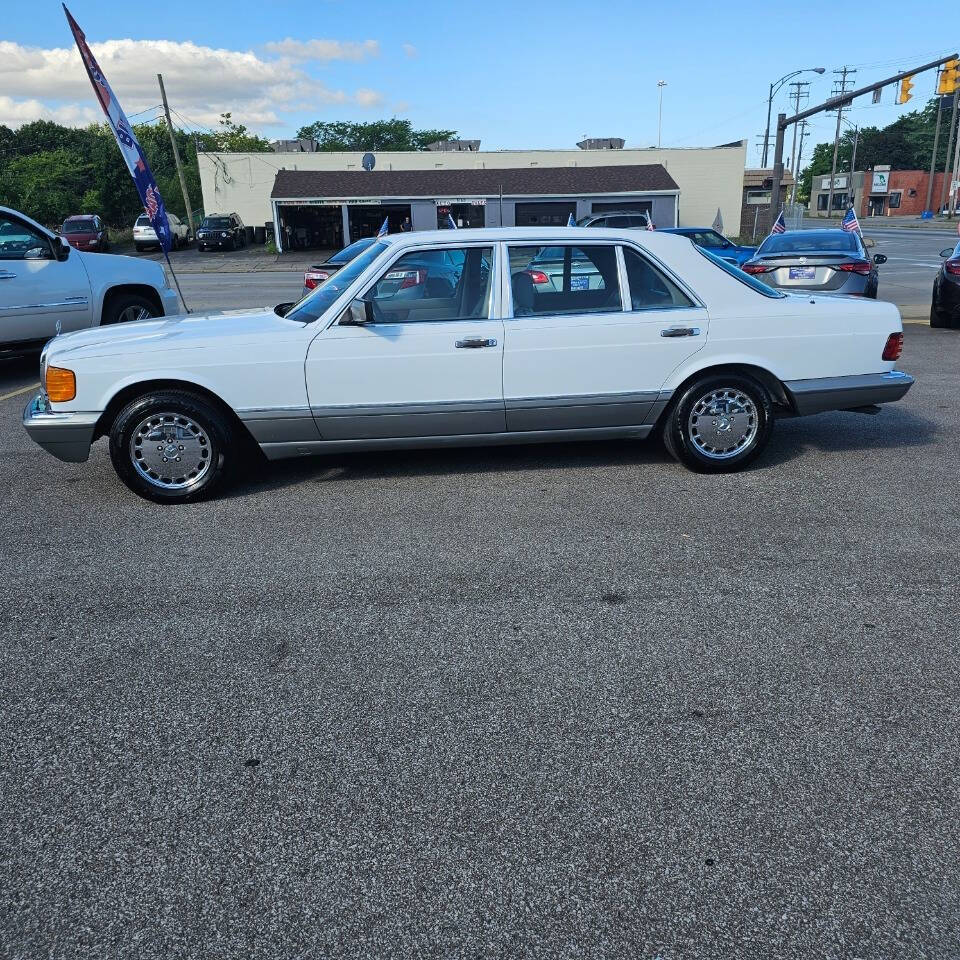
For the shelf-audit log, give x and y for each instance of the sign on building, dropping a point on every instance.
(881, 181)
(839, 183)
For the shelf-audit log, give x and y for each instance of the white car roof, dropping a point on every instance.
(650, 239)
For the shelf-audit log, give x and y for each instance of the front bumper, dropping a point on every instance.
(844, 393)
(170, 301)
(67, 435)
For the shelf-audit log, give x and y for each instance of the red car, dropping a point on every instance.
(86, 232)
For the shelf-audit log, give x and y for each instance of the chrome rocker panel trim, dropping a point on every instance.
(844, 393)
(67, 435)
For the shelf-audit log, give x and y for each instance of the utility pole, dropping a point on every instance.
(803, 134)
(176, 157)
(853, 160)
(796, 94)
(660, 84)
(955, 175)
(948, 164)
(840, 88)
(933, 159)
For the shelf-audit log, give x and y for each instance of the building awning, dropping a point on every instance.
(485, 182)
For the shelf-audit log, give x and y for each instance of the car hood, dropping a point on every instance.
(191, 331)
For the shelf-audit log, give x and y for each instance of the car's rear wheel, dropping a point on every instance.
(719, 424)
(937, 319)
(172, 446)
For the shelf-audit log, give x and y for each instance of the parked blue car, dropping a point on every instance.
(716, 243)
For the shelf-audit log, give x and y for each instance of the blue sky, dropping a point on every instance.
(527, 75)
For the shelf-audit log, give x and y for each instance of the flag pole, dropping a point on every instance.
(175, 280)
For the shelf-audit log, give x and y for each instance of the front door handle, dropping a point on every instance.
(474, 343)
(680, 332)
(8, 276)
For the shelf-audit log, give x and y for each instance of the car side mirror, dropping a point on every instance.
(359, 312)
(947, 253)
(879, 258)
(62, 248)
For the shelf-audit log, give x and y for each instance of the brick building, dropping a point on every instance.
(880, 192)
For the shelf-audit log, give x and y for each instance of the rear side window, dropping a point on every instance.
(650, 288)
(564, 280)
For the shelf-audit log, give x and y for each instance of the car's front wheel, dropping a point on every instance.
(937, 319)
(719, 424)
(173, 446)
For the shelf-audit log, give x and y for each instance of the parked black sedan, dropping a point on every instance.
(945, 308)
(819, 261)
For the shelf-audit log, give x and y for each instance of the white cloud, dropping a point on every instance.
(410, 50)
(202, 82)
(324, 49)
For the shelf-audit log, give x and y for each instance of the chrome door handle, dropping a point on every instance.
(680, 332)
(473, 343)
(8, 276)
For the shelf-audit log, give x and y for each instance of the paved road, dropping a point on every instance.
(542, 702)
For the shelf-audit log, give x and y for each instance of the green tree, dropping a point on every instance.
(230, 137)
(393, 134)
(45, 185)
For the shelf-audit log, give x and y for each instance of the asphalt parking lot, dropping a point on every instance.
(545, 702)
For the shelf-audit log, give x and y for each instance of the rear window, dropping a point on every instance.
(808, 241)
(143, 221)
(738, 274)
(348, 253)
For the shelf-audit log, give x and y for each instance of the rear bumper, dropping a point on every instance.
(842, 393)
(66, 435)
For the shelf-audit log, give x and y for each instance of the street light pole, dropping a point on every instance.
(660, 84)
(774, 89)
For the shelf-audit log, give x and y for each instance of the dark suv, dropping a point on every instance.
(615, 218)
(223, 230)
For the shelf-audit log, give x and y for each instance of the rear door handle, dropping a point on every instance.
(474, 343)
(680, 332)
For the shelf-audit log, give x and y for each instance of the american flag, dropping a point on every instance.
(451, 223)
(384, 227)
(650, 225)
(850, 222)
(570, 221)
(779, 225)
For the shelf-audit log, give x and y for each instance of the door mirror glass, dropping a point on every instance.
(879, 258)
(947, 253)
(357, 314)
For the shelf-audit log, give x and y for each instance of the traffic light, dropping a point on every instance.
(906, 85)
(949, 77)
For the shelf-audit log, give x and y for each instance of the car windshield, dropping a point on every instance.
(318, 301)
(348, 253)
(738, 274)
(810, 241)
(217, 223)
(79, 226)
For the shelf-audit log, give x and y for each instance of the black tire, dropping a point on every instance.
(937, 319)
(133, 305)
(693, 447)
(231, 244)
(211, 453)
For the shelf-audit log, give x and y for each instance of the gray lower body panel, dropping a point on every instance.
(580, 413)
(410, 420)
(843, 393)
(65, 435)
(280, 451)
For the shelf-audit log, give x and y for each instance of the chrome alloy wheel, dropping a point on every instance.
(170, 451)
(134, 312)
(722, 423)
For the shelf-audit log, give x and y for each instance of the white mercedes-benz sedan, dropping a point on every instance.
(442, 338)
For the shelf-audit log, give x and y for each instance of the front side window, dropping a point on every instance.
(650, 288)
(449, 283)
(321, 298)
(20, 242)
(564, 280)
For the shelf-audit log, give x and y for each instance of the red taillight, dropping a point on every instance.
(538, 276)
(755, 268)
(953, 266)
(312, 279)
(408, 278)
(858, 266)
(894, 347)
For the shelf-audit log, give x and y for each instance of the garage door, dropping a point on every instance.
(544, 214)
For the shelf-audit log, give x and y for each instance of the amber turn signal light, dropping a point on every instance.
(61, 385)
